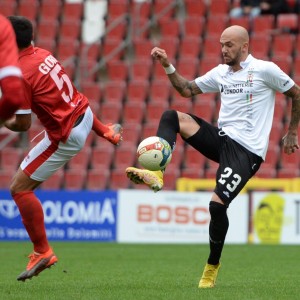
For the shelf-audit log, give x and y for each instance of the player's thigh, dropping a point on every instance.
(237, 166)
(188, 126)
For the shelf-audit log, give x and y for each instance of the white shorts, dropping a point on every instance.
(47, 157)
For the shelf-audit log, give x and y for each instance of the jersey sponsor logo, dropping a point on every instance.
(238, 88)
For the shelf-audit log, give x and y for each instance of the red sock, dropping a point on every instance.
(33, 219)
(99, 127)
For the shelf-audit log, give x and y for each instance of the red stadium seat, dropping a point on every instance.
(81, 160)
(74, 180)
(260, 45)
(211, 49)
(125, 155)
(154, 110)
(118, 179)
(219, 7)
(10, 158)
(195, 173)
(159, 91)
(161, 8)
(159, 73)
(102, 155)
(283, 45)
(133, 112)
(97, 179)
(204, 107)
(70, 29)
(287, 22)
(195, 8)
(193, 26)
(183, 105)
(170, 179)
(50, 10)
(190, 47)
(142, 9)
(208, 63)
(6, 178)
(193, 159)
(284, 63)
(243, 21)
(114, 91)
(67, 49)
(54, 182)
(117, 70)
(111, 46)
(92, 91)
(116, 30)
(170, 44)
(117, 8)
(187, 67)
(142, 48)
(288, 172)
(263, 24)
(169, 28)
(47, 29)
(149, 129)
(110, 112)
(28, 9)
(137, 91)
(72, 10)
(140, 69)
(131, 133)
(211, 171)
(8, 8)
(266, 171)
(216, 25)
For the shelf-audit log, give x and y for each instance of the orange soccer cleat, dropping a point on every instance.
(37, 264)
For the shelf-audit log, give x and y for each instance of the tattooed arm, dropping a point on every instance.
(290, 140)
(185, 87)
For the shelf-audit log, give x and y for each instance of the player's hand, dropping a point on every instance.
(161, 55)
(290, 143)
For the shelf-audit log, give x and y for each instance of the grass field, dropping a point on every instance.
(121, 271)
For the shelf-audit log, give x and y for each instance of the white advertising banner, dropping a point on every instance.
(276, 218)
(175, 217)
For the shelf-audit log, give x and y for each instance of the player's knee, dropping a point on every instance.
(217, 210)
(170, 118)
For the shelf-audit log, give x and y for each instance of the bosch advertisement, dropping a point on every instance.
(74, 216)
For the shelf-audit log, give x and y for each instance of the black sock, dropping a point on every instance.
(217, 231)
(169, 127)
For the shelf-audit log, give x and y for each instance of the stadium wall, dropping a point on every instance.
(140, 216)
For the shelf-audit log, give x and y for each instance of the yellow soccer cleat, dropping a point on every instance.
(154, 179)
(209, 276)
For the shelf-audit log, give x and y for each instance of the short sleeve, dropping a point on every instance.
(276, 79)
(208, 83)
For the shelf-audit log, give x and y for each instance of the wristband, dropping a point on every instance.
(170, 69)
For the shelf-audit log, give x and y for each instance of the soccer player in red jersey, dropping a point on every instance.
(68, 120)
(10, 73)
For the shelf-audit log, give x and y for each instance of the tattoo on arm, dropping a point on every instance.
(183, 86)
(294, 93)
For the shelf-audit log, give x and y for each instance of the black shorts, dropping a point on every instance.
(236, 164)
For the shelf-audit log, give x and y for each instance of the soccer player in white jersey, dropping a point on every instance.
(239, 143)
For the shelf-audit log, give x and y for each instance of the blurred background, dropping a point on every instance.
(105, 48)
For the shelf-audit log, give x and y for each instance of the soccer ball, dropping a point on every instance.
(154, 153)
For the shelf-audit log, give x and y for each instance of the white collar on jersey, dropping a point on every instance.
(243, 64)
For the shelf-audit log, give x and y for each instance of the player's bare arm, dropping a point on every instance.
(290, 140)
(185, 87)
(20, 122)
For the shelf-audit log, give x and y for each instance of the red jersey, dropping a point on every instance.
(49, 92)
(10, 73)
(9, 65)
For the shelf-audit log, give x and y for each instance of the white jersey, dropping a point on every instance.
(247, 100)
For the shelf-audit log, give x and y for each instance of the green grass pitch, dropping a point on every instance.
(129, 271)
